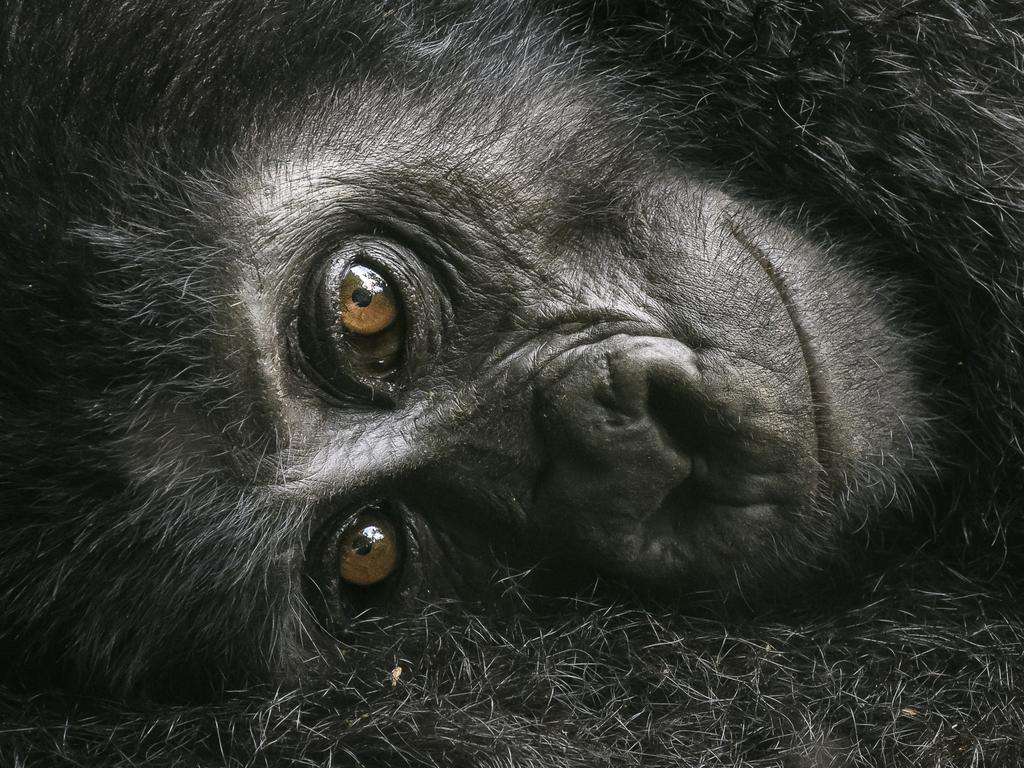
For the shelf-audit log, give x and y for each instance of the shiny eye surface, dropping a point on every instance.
(352, 321)
(369, 549)
(362, 319)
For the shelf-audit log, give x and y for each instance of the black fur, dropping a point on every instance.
(891, 129)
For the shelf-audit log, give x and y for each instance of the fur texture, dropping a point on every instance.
(911, 676)
(894, 130)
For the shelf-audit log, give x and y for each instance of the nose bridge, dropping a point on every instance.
(581, 412)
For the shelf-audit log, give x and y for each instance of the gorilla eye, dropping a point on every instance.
(369, 549)
(351, 331)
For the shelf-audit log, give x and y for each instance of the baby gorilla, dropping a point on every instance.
(571, 356)
(402, 384)
(391, 309)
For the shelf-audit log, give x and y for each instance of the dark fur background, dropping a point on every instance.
(896, 128)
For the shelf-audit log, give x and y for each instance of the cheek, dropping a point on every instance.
(869, 363)
(720, 286)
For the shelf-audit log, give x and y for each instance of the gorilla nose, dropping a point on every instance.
(619, 421)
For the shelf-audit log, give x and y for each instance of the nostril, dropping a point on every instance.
(677, 416)
(624, 389)
(660, 386)
(615, 414)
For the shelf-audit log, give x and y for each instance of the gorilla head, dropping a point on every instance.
(309, 311)
(574, 355)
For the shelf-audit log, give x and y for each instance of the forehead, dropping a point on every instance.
(474, 154)
(482, 134)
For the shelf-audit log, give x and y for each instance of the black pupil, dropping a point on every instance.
(362, 297)
(362, 544)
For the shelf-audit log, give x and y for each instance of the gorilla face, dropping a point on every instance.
(675, 400)
(407, 333)
(473, 347)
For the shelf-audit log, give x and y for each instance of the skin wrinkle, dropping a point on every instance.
(819, 394)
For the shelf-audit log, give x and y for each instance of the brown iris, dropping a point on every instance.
(369, 550)
(368, 304)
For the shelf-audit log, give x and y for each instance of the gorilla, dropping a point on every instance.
(511, 383)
